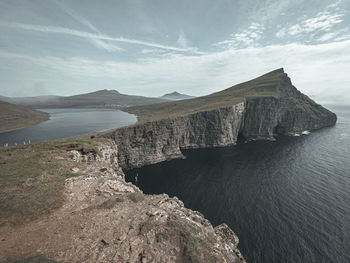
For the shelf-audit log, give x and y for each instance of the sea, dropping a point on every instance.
(287, 200)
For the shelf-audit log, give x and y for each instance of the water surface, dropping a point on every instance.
(288, 201)
(66, 123)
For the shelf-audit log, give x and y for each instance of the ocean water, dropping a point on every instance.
(288, 200)
(66, 123)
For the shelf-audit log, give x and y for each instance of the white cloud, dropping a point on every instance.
(323, 21)
(105, 45)
(320, 70)
(77, 16)
(245, 38)
(91, 36)
(182, 40)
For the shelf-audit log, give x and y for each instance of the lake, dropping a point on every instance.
(66, 123)
(288, 200)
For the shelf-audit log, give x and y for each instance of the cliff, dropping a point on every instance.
(86, 212)
(259, 109)
(105, 219)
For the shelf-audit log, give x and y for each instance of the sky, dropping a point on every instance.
(153, 47)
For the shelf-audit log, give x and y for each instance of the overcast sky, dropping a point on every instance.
(158, 46)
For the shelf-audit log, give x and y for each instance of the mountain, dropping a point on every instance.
(176, 96)
(34, 102)
(14, 117)
(110, 98)
(101, 98)
(274, 87)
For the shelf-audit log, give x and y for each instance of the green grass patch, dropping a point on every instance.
(136, 197)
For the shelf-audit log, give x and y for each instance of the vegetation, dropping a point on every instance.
(32, 176)
(262, 86)
(14, 117)
(136, 197)
(110, 203)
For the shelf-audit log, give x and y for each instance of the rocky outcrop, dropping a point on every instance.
(105, 219)
(288, 112)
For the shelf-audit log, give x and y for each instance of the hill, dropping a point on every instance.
(263, 86)
(176, 96)
(101, 98)
(33, 102)
(14, 117)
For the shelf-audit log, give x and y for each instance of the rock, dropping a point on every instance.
(288, 112)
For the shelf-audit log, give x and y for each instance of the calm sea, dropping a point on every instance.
(288, 201)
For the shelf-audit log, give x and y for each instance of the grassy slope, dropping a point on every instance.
(15, 117)
(32, 177)
(264, 85)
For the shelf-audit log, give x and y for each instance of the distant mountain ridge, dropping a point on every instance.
(100, 98)
(176, 96)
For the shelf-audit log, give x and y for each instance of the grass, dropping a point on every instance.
(136, 197)
(260, 87)
(110, 203)
(32, 178)
(14, 117)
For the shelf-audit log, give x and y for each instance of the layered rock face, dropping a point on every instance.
(288, 112)
(162, 140)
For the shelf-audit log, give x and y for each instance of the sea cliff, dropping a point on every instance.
(286, 112)
(86, 212)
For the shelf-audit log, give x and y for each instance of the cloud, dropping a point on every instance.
(323, 21)
(106, 46)
(182, 40)
(320, 70)
(91, 36)
(245, 38)
(82, 20)
(76, 16)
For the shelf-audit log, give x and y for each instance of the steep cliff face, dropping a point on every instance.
(162, 140)
(288, 113)
(271, 106)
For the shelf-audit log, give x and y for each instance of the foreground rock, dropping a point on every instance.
(105, 219)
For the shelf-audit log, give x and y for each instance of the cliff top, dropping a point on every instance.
(263, 86)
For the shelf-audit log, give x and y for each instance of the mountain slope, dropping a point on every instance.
(15, 117)
(176, 96)
(101, 98)
(275, 84)
(262, 86)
